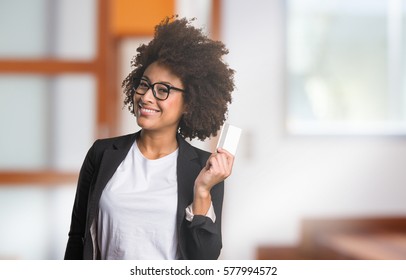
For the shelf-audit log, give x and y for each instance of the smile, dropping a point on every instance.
(147, 111)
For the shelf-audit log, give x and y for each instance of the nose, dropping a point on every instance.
(148, 96)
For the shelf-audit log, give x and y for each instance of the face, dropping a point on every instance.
(160, 115)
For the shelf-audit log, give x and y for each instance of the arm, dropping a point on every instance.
(204, 234)
(74, 248)
(209, 188)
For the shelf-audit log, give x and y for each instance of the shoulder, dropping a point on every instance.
(201, 154)
(189, 152)
(115, 142)
(98, 148)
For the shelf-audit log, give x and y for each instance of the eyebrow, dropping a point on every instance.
(149, 80)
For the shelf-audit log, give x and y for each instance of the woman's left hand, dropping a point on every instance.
(218, 168)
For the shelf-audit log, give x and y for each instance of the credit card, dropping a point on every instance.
(229, 138)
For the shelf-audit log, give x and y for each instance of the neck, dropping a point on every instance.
(155, 145)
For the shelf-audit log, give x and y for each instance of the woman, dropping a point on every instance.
(151, 195)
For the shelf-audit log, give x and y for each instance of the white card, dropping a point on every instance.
(229, 138)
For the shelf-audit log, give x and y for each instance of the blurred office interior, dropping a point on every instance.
(320, 96)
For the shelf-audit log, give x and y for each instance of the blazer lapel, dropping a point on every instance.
(188, 167)
(111, 159)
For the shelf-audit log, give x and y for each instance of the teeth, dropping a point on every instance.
(145, 110)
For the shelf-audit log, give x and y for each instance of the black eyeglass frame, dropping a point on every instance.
(151, 86)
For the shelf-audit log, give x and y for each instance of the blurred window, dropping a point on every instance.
(35, 221)
(345, 67)
(48, 29)
(23, 122)
(39, 120)
(51, 83)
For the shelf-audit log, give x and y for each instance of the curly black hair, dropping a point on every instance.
(197, 61)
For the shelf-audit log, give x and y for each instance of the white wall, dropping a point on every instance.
(280, 179)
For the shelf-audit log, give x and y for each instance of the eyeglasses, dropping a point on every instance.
(159, 90)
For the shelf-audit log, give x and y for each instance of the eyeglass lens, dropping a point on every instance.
(160, 90)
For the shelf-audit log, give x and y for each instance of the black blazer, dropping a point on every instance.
(199, 239)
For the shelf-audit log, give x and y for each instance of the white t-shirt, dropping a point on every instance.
(137, 215)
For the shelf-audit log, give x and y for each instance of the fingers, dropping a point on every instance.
(221, 163)
(218, 168)
(228, 156)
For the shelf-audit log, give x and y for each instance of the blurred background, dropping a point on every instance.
(320, 96)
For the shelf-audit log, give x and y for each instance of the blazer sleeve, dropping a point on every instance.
(204, 242)
(74, 248)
